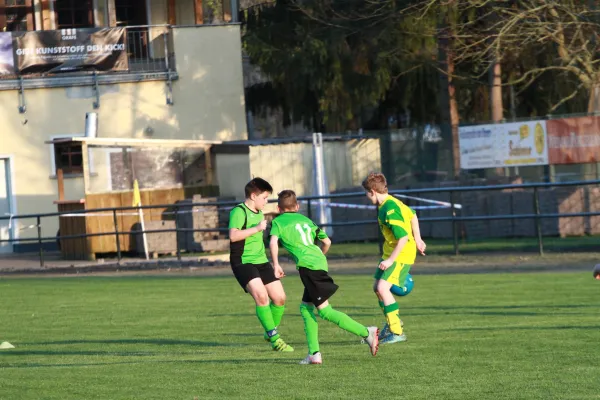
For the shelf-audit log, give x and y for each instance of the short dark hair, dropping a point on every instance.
(375, 181)
(257, 186)
(287, 200)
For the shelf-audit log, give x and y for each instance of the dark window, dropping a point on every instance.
(74, 13)
(131, 12)
(67, 156)
(16, 15)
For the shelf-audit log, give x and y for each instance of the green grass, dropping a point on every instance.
(484, 336)
(446, 247)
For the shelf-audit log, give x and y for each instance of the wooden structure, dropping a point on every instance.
(126, 220)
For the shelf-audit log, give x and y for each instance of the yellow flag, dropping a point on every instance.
(137, 200)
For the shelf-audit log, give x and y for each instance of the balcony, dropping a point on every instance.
(148, 54)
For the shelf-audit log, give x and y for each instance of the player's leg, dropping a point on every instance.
(311, 329)
(248, 276)
(259, 293)
(275, 291)
(382, 287)
(394, 277)
(320, 287)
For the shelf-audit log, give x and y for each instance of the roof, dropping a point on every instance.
(132, 142)
(297, 139)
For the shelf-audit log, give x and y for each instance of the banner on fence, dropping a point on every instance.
(70, 50)
(503, 145)
(574, 140)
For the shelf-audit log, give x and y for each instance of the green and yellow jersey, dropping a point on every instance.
(394, 221)
(252, 249)
(298, 235)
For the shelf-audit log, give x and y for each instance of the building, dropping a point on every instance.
(183, 80)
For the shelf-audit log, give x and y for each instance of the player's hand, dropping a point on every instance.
(278, 271)
(385, 264)
(262, 225)
(421, 246)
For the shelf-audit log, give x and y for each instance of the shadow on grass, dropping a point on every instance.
(141, 341)
(242, 362)
(451, 308)
(19, 352)
(527, 328)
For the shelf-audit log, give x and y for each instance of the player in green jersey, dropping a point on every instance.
(249, 261)
(298, 235)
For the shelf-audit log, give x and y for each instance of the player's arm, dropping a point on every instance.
(274, 248)
(326, 245)
(236, 221)
(323, 238)
(236, 235)
(416, 230)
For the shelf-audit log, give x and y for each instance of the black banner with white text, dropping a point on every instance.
(70, 50)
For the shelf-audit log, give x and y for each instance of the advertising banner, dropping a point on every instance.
(7, 63)
(503, 145)
(574, 140)
(70, 50)
(478, 146)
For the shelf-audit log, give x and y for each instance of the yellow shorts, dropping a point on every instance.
(395, 274)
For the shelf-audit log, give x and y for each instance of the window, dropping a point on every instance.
(74, 13)
(131, 12)
(68, 157)
(16, 15)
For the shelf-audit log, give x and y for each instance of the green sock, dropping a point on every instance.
(381, 305)
(277, 312)
(266, 320)
(343, 321)
(310, 327)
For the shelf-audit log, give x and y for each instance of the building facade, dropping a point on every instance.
(183, 81)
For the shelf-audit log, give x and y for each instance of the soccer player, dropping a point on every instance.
(249, 261)
(400, 228)
(298, 235)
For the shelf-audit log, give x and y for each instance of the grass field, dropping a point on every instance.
(446, 247)
(484, 336)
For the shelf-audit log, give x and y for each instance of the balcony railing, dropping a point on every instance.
(150, 56)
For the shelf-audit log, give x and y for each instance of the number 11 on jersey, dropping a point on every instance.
(306, 236)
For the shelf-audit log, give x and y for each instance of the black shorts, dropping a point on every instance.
(244, 273)
(318, 286)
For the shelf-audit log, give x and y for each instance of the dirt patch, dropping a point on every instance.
(219, 266)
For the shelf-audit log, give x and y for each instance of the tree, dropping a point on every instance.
(567, 30)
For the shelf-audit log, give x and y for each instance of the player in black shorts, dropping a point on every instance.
(250, 264)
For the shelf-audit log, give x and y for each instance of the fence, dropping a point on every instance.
(535, 215)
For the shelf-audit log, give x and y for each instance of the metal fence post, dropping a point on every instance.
(454, 230)
(39, 233)
(309, 212)
(177, 232)
(118, 240)
(538, 222)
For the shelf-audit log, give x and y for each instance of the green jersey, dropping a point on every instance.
(252, 249)
(298, 236)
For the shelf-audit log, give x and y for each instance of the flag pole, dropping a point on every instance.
(137, 202)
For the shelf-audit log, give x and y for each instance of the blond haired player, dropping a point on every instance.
(400, 228)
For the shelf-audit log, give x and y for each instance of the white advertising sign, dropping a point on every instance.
(503, 145)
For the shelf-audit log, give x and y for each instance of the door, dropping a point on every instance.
(5, 205)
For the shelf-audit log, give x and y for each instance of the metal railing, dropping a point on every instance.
(150, 51)
(312, 201)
